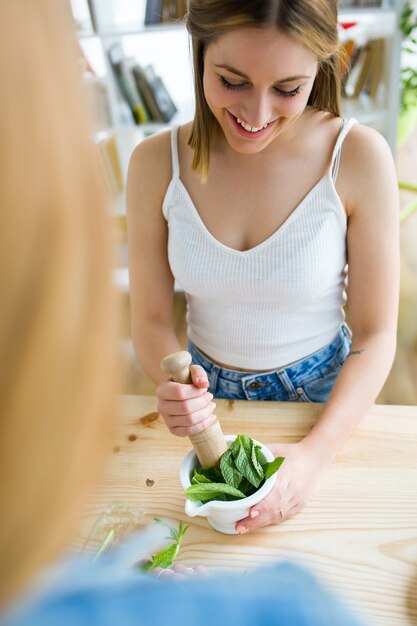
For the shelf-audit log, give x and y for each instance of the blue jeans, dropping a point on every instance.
(310, 379)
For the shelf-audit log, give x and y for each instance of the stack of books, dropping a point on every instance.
(143, 90)
(362, 72)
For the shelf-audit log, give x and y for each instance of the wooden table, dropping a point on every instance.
(358, 533)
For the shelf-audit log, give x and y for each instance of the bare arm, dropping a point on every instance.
(373, 289)
(186, 409)
(370, 192)
(151, 280)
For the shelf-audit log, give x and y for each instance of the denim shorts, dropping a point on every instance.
(310, 379)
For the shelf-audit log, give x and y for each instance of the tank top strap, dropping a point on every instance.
(174, 152)
(345, 128)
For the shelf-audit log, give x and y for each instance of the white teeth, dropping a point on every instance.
(248, 127)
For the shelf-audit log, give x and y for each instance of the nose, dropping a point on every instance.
(257, 109)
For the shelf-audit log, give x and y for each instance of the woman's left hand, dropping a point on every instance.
(295, 483)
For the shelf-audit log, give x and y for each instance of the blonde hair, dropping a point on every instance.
(312, 22)
(57, 323)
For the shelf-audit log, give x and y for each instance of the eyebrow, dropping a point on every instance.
(288, 79)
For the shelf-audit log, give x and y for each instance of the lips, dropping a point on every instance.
(248, 127)
(245, 129)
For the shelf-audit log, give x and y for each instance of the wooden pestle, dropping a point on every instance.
(209, 444)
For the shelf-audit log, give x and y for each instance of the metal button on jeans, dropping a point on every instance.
(299, 391)
(253, 386)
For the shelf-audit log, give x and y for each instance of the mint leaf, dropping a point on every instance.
(199, 478)
(273, 466)
(212, 473)
(165, 557)
(230, 473)
(247, 488)
(242, 454)
(255, 460)
(241, 473)
(211, 491)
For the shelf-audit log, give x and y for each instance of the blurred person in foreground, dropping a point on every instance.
(58, 347)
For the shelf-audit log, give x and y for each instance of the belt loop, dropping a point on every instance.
(347, 331)
(213, 376)
(287, 384)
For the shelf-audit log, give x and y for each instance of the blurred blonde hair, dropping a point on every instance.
(57, 323)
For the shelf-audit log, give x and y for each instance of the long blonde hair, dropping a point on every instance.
(57, 322)
(311, 22)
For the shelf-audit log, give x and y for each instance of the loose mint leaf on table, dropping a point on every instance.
(204, 492)
(273, 466)
(165, 557)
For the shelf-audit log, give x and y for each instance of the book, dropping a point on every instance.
(127, 84)
(155, 94)
(153, 12)
(147, 95)
(110, 162)
(162, 98)
(365, 72)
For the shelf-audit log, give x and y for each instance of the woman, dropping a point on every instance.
(262, 208)
(58, 375)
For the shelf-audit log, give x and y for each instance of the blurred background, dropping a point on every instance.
(136, 63)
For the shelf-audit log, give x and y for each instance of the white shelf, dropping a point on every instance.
(381, 23)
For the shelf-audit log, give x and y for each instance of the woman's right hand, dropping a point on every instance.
(187, 409)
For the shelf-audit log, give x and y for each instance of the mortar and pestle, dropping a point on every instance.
(209, 445)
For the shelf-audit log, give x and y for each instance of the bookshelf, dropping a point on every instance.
(104, 23)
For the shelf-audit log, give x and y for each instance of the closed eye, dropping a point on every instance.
(288, 94)
(229, 85)
(282, 92)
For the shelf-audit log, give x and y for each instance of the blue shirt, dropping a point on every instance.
(80, 592)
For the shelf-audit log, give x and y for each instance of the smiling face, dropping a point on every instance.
(257, 83)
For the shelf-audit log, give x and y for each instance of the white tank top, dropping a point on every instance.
(273, 304)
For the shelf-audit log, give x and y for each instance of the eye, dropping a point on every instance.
(288, 94)
(229, 85)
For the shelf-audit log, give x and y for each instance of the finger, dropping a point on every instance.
(185, 407)
(160, 572)
(168, 390)
(199, 376)
(266, 512)
(191, 420)
(202, 570)
(184, 570)
(182, 431)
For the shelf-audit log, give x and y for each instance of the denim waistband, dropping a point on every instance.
(285, 383)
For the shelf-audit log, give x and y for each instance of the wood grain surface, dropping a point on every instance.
(358, 533)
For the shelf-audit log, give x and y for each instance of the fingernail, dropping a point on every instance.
(202, 380)
(242, 529)
(254, 514)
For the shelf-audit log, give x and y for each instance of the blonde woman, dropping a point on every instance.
(58, 372)
(262, 208)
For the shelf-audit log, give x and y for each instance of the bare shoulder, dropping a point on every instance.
(150, 167)
(367, 168)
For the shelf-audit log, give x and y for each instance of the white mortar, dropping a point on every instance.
(222, 516)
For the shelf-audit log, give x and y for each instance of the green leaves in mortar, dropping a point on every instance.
(241, 473)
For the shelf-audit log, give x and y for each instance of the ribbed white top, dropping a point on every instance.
(271, 305)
